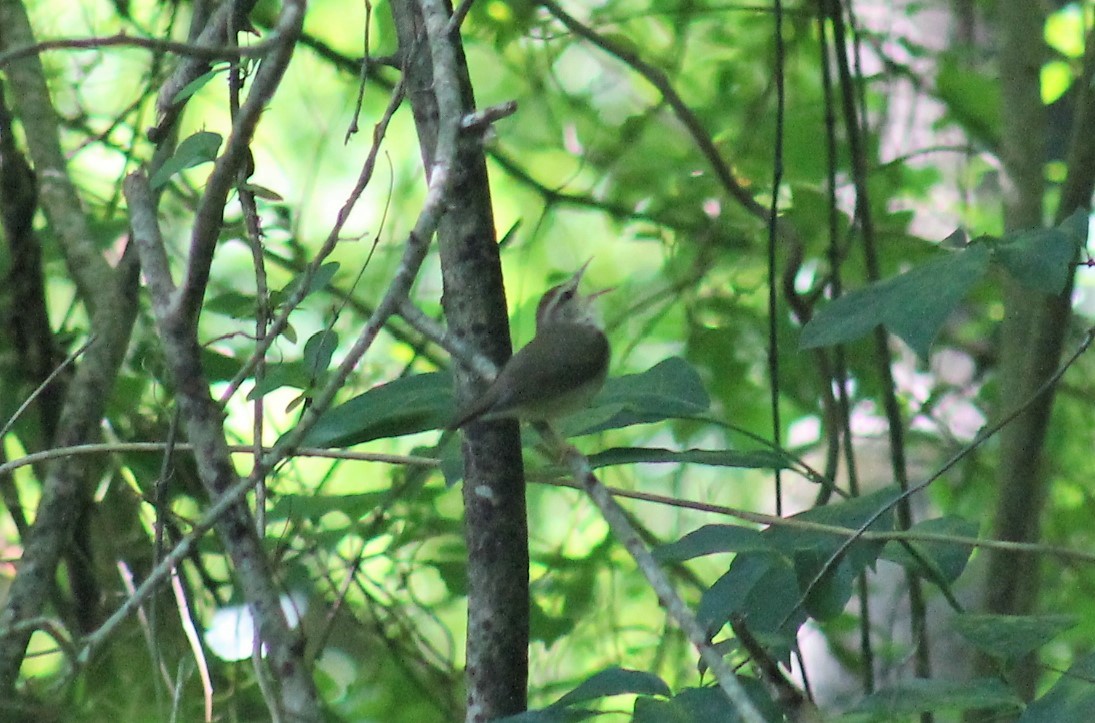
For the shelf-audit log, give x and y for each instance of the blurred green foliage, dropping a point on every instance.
(594, 163)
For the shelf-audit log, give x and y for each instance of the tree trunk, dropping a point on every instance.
(496, 528)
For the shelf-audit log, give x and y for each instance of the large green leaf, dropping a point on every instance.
(422, 402)
(615, 681)
(287, 374)
(972, 98)
(1011, 636)
(756, 459)
(711, 539)
(670, 389)
(913, 305)
(405, 406)
(1043, 259)
(918, 695)
(549, 715)
(318, 351)
(811, 551)
(762, 589)
(313, 507)
(705, 705)
(947, 560)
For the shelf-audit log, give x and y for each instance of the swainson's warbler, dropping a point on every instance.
(555, 374)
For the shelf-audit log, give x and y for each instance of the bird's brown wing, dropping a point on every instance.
(560, 359)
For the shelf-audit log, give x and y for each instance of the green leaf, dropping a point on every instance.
(319, 280)
(454, 573)
(1076, 226)
(405, 406)
(288, 374)
(232, 304)
(811, 551)
(972, 98)
(762, 588)
(546, 627)
(199, 148)
(1040, 259)
(711, 539)
(670, 389)
(947, 560)
(615, 681)
(198, 83)
(913, 305)
(452, 459)
(918, 695)
(1011, 636)
(318, 351)
(758, 459)
(219, 367)
(705, 705)
(1072, 697)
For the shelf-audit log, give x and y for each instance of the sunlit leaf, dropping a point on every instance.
(276, 376)
(198, 83)
(615, 681)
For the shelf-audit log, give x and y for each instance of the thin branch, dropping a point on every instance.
(691, 121)
(1062, 553)
(205, 52)
(481, 119)
(626, 535)
(195, 642)
(304, 283)
(176, 314)
(42, 387)
(773, 236)
(440, 176)
(57, 194)
(451, 343)
(131, 447)
(210, 213)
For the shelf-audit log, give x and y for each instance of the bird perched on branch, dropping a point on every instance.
(555, 374)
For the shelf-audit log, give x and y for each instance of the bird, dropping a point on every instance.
(555, 374)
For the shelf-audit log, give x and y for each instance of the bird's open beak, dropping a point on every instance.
(595, 294)
(578, 277)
